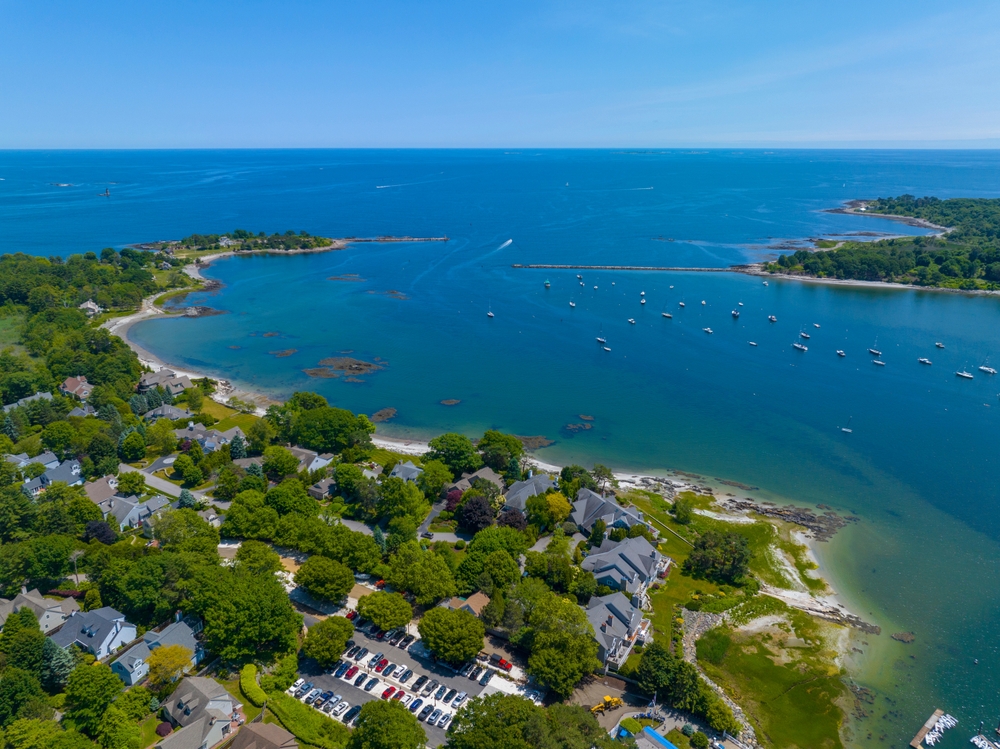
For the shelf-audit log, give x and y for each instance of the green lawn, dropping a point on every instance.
(10, 331)
(243, 421)
(233, 687)
(147, 731)
(382, 457)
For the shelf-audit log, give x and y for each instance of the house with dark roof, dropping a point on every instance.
(209, 439)
(521, 491)
(630, 565)
(76, 387)
(322, 488)
(51, 613)
(68, 472)
(165, 379)
(46, 459)
(590, 507)
(133, 665)
(406, 471)
(27, 400)
(204, 712)
(84, 410)
(166, 411)
(100, 632)
(129, 512)
(485, 474)
(263, 736)
(618, 625)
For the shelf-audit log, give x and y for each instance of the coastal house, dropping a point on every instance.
(46, 459)
(83, 411)
(630, 565)
(51, 613)
(211, 517)
(263, 736)
(203, 711)
(76, 387)
(90, 308)
(521, 491)
(100, 632)
(165, 265)
(309, 460)
(102, 491)
(133, 665)
(618, 625)
(167, 411)
(209, 439)
(68, 472)
(590, 507)
(129, 512)
(483, 474)
(372, 471)
(474, 604)
(322, 488)
(166, 379)
(27, 400)
(406, 471)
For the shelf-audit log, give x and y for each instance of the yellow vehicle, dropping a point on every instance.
(609, 703)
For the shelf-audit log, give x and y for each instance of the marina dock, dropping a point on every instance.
(927, 726)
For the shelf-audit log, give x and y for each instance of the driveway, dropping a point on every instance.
(162, 485)
(417, 663)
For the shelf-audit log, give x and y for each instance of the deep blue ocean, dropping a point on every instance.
(920, 467)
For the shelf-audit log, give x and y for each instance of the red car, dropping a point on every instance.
(352, 615)
(505, 665)
(399, 695)
(351, 672)
(381, 664)
(380, 584)
(388, 693)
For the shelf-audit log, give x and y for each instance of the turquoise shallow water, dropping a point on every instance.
(920, 467)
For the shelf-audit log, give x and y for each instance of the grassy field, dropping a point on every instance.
(383, 457)
(783, 678)
(243, 421)
(10, 331)
(233, 687)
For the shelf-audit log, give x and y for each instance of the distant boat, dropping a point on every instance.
(840, 353)
(703, 301)
(642, 301)
(815, 324)
(642, 293)
(668, 315)
(848, 427)
(578, 275)
(671, 287)
(878, 362)
(964, 375)
(572, 304)
(925, 361)
(735, 314)
(490, 313)
(631, 321)
(607, 348)
(708, 330)
(681, 304)
(547, 284)
(772, 318)
(875, 351)
(800, 347)
(751, 343)
(804, 335)
(581, 283)
(595, 288)
(740, 304)
(105, 194)
(987, 370)
(765, 283)
(939, 344)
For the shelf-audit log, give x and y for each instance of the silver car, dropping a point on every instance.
(445, 720)
(341, 708)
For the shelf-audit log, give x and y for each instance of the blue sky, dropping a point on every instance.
(465, 74)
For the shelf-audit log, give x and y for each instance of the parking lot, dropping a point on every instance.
(409, 660)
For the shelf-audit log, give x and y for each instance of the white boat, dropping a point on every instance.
(840, 353)
(804, 335)
(765, 283)
(751, 343)
(924, 361)
(703, 301)
(547, 284)
(631, 321)
(848, 427)
(875, 351)
(878, 362)
(964, 375)
(595, 288)
(939, 344)
(572, 304)
(815, 324)
(735, 314)
(708, 330)
(581, 283)
(671, 287)
(490, 314)
(800, 347)
(987, 370)
(578, 275)
(681, 304)
(607, 348)
(740, 304)
(642, 293)
(601, 340)
(642, 301)
(668, 315)
(772, 318)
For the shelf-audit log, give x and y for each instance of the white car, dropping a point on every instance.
(295, 687)
(406, 700)
(340, 709)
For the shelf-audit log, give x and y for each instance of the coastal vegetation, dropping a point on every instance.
(241, 240)
(966, 257)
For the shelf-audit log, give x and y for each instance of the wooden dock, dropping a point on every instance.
(928, 725)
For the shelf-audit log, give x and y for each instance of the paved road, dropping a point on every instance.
(419, 665)
(162, 485)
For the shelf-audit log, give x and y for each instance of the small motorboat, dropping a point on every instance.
(595, 288)
(578, 275)
(964, 375)
(547, 284)
(765, 283)
(642, 301)
(581, 283)
(681, 304)
(878, 362)
(752, 343)
(987, 370)
(642, 293)
(740, 304)
(703, 302)
(631, 321)
(607, 348)
(572, 304)
(874, 352)
(671, 287)
(800, 347)
(815, 324)
(925, 361)
(804, 335)
(668, 315)
(735, 314)
(708, 330)
(939, 344)
(772, 318)
(840, 353)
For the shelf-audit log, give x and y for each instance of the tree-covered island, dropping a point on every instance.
(966, 256)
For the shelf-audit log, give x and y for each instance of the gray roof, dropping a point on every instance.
(167, 411)
(590, 507)
(26, 401)
(521, 491)
(68, 471)
(487, 474)
(613, 619)
(45, 458)
(88, 627)
(49, 612)
(133, 657)
(85, 410)
(406, 471)
(178, 633)
(192, 699)
(630, 563)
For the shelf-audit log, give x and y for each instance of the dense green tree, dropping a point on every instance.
(133, 448)
(433, 479)
(238, 448)
(17, 688)
(325, 578)
(248, 517)
(58, 436)
(334, 430)
(257, 558)
(279, 462)
(259, 436)
(184, 467)
(453, 635)
(32, 733)
(185, 530)
(186, 501)
(499, 449)
(90, 690)
(562, 645)
(117, 730)
(456, 451)
(387, 610)
(386, 725)
(398, 498)
(131, 483)
(291, 496)
(720, 556)
(57, 665)
(422, 573)
(326, 639)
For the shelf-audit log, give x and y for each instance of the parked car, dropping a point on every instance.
(441, 692)
(406, 700)
(467, 668)
(495, 658)
(373, 661)
(421, 680)
(371, 684)
(321, 699)
(427, 535)
(380, 636)
(354, 651)
(405, 676)
(341, 669)
(361, 654)
(396, 636)
(304, 690)
(341, 708)
(350, 644)
(405, 642)
(451, 695)
(476, 672)
(380, 584)
(459, 699)
(425, 712)
(388, 692)
(429, 689)
(434, 717)
(328, 706)
(380, 667)
(351, 615)
(486, 677)
(311, 697)
(389, 670)
(399, 695)
(415, 705)
(352, 714)
(445, 720)
(360, 680)
(295, 687)
(351, 672)
(505, 664)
